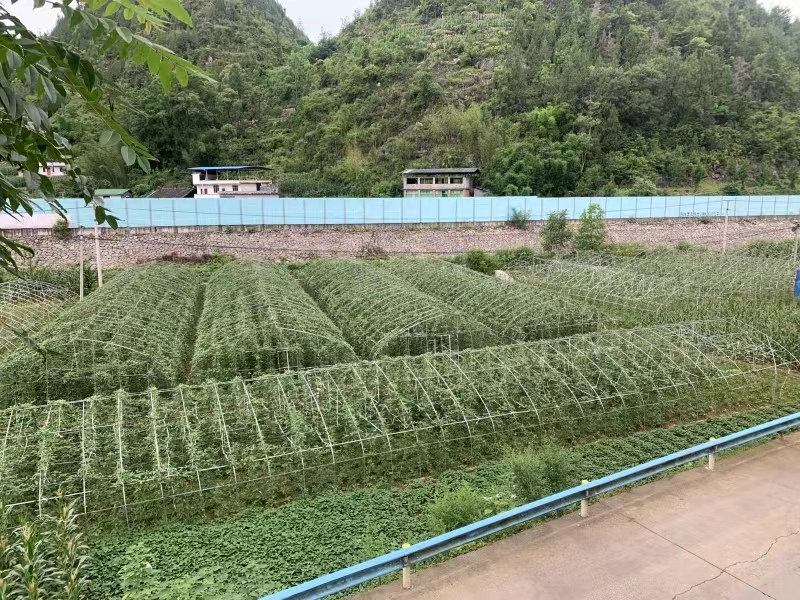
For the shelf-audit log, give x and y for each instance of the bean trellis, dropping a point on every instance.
(132, 333)
(515, 312)
(257, 319)
(382, 315)
(284, 433)
(25, 306)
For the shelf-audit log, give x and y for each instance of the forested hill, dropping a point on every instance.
(554, 98)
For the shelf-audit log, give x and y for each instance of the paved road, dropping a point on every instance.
(730, 534)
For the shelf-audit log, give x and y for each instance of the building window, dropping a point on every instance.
(216, 189)
(412, 181)
(457, 180)
(426, 180)
(442, 180)
(235, 188)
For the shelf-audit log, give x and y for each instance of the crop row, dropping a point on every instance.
(516, 312)
(284, 433)
(132, 333)
(257, 319)
(382, 315)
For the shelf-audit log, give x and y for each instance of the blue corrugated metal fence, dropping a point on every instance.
(187, 212)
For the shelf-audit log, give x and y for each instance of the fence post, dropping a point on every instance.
(406, 570)
(725, 228)
(585, 501)
(97, 256)
(80, 237)
(712, 458)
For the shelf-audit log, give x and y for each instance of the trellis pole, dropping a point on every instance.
(97, 256)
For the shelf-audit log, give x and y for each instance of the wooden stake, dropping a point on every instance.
(80, 234)
(97, 256)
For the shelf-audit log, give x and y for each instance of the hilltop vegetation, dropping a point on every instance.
(550, 98)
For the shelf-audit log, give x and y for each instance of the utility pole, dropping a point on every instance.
(97, 256)
(80, 236)
(725, 228)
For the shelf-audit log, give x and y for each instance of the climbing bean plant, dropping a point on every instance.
(257, 319)
(133, 333)
(283, 434)
(382, 315)
(516, 312)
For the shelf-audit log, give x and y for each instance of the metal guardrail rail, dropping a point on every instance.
(400, 559)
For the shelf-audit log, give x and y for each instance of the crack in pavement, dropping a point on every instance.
(741, 562)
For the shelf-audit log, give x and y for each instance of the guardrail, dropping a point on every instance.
(404, 558)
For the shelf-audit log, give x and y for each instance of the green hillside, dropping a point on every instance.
(550, 98)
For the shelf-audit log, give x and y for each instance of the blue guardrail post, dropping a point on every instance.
(797, 285)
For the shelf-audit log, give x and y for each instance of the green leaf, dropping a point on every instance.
(182, 75)
(128, 155)
(50, 89)
(165, 75)
(111, 8)
(107, 137)
(140, 54)
(128, 14)
(175, 8)
(153, 62)
(144, 164)
(90, 19)
(125, 34)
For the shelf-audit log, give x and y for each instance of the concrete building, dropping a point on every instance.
(106, 193)
(432, 183)
(222, 182)
(54, 169)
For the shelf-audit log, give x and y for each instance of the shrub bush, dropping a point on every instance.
(592, 232)
(481, 261)
(539, 474)
(61, 229)
(456, 509)
(556, 234)
(519, 218)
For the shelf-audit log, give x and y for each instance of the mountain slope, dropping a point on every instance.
(558, 97)
(554, 97)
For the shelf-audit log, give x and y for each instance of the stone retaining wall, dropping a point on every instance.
(133, 246)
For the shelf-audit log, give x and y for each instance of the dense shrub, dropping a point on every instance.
(592, 231)
(456, 509)
(543, 472)
(555, 234)
(481, 261)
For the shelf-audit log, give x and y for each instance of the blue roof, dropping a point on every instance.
(243, 168)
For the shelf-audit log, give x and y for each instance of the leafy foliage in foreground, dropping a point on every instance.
(257, 319)
(133, 333)
(39, 74)
(43, 557)
(268, 550)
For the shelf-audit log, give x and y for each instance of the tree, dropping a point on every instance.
(556, 234)
(37, 75)
(592, 231)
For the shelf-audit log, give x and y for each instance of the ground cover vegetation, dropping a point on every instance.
(257, 319)
(174, 457)
(383, 315)
(132, 333)
(268, 550)
(203, 447)
(547, 98)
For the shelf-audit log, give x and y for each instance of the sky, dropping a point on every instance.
(314, 15)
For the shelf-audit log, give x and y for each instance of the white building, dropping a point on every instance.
(226, 182)
(432, 183)
(54, 169)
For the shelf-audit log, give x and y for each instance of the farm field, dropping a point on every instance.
(181, 402)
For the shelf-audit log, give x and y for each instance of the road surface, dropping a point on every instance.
(731, 534)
